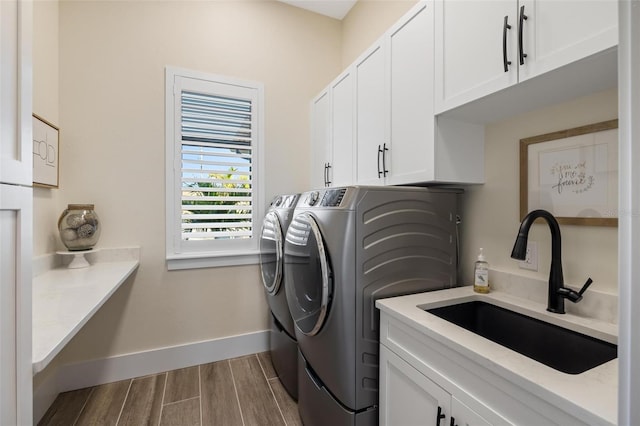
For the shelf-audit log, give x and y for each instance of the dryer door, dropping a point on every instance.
(308, 272)
(271, 253)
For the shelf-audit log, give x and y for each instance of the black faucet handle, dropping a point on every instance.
(585, 286)
(572, 295)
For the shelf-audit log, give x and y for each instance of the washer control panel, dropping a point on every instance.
(312, 198)
(324, 198)
(333, 197)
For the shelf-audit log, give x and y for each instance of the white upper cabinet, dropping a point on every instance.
(332, 134)
(482, 47)
(383, 107)
(320, 139)
(372, 115)
(15, 93)
(394, 97)
(557, 32)
(341, 170)
(399, 140)
(412, 128)
(469, 51)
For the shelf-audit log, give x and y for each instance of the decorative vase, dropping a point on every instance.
(79, 227)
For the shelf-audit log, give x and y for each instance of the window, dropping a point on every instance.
(214, 132)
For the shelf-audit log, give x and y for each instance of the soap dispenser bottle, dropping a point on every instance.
(481, 274)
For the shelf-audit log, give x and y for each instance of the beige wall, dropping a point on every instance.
(46, 104)
(111, 113)
(366, 22)
(491, 212)
(111, 85)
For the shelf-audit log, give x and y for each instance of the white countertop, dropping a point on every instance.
(65, 299)
(594, 391)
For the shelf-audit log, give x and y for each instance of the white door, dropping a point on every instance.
(16, 156)
(15, 305)
(412, 84)
(472, 44)
(343, 147)
(559, 32)
(15, 213)
(320, 139)
(407, 397)
(372, 115)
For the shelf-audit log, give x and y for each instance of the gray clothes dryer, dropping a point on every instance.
(282, 341)
(344, 249)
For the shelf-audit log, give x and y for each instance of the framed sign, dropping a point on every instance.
(46, 148)
(573, 174)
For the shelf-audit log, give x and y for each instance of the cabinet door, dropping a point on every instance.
(407, 397)
(320, 139)
(16, 156)
(372, 115)
(559, 32)
(342, 111)
(411, 70)
(465, 416)
(15, 305)
(469, 58)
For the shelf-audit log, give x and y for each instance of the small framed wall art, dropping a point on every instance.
(46, 149)
(573, 174)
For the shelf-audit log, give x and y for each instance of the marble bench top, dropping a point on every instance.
(63, 299)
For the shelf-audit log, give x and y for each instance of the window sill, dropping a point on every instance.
(211, 260)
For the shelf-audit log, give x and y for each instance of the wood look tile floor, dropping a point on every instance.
(241, 391)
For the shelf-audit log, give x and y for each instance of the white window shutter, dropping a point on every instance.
(216, 172)
(214, 139)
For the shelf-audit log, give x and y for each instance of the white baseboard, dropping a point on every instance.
(43, 397)
(96, 372)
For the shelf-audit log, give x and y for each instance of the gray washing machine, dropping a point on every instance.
(345, 248)
(282, 340)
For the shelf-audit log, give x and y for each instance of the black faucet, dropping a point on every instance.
(557, 291)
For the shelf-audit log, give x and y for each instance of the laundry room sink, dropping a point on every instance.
(557, 347)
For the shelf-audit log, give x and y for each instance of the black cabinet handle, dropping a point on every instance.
(325, 174)
(453, 422)
(328, 169)
(439, 416)
(384, 162)
(379, 171)
(523, 17)
(506, 27)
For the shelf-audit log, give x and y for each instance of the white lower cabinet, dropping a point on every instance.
(461, 415)
(424, 381)
(407, 397)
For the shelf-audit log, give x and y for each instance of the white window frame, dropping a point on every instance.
(181, 255)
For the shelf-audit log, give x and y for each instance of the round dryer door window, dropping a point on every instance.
(271, 253)
(308, 274)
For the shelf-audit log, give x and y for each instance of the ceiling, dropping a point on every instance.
(334, 8)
